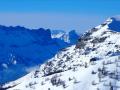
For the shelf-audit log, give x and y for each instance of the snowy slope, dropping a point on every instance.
(92, 64)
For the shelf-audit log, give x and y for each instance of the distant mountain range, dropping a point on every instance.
(21, 49)
(70, 37)
(92, 64)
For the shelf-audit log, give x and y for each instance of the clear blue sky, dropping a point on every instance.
(57, 14)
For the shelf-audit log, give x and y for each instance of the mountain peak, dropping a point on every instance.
(112, 24)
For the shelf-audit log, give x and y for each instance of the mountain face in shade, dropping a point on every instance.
(92, 64)
(73, 37)
(22, 48)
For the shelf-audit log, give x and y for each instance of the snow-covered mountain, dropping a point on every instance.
(70, 37)
(57, 33)
(92, 64)
(21, 49)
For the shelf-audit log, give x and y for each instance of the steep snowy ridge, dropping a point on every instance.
(92, 64)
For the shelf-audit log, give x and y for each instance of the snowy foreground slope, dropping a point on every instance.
(92, 64)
